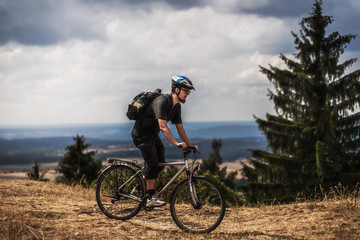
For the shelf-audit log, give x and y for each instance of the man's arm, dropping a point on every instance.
(181, 131)
(167, 133)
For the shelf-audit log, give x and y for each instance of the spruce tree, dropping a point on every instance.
(314, 136)
(78, 164)
(212, 163)
(34, 174)
(210, 167)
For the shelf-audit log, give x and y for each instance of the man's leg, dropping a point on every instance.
(153, 153)
(150, 186)
(149, 153)
(160, 153)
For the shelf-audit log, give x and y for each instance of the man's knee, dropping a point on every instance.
(151, 173)
(160, 169)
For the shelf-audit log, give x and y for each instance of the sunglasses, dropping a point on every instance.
(187, 91)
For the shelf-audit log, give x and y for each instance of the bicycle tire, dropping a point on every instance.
(197, 219)
(109, 200)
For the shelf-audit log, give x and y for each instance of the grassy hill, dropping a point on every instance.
(45, 210)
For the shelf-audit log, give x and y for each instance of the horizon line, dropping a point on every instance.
(47, 125)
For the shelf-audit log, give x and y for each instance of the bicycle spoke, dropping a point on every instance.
(202, 217)
(114, 203)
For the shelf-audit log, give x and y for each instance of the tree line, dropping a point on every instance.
(79, 166)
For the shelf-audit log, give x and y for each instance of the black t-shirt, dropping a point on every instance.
(160, 108)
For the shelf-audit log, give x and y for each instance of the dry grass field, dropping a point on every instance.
(46, 210)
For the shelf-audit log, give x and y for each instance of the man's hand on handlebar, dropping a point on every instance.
(184, 146)
(196, 147)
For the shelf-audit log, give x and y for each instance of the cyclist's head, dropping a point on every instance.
(180, 82)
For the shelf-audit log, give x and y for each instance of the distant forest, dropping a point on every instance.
(44, 150)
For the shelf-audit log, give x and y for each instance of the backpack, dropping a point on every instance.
(140, 102)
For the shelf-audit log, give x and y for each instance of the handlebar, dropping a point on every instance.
(193, 149)
(188, 150)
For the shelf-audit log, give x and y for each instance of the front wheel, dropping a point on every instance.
(200, 212)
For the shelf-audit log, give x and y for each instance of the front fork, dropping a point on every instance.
(195, 200)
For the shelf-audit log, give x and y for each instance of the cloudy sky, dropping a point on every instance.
(82, 61)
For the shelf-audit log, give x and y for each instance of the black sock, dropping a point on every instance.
(151, 192)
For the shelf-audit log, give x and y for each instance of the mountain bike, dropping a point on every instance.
(196, 203)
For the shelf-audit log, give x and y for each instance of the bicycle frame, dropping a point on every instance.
(185, 167)
(121, 188)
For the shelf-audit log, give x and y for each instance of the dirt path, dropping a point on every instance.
(45, 210)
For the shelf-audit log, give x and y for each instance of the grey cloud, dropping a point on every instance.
(41, 22)
(278, 8)
(175, 4)
(345, 17)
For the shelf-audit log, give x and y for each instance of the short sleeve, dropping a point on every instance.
(161, 108)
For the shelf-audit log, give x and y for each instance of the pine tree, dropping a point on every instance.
(34, 174)
(79, 165)
(210, 167)
(212, 163)
(314, 136)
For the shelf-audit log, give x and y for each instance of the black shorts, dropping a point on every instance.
(153, 152)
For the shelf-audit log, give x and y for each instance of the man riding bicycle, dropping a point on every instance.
(145, 133)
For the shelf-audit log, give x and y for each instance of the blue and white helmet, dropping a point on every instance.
(181, 81)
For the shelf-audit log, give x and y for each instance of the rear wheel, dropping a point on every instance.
(117, 203)
(201, 214)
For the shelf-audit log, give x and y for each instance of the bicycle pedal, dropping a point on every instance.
(144, 201)
(148, 209)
